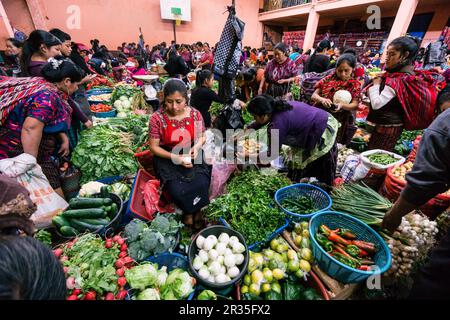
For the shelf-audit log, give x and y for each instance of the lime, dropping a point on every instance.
(278, 274)
(284, 257)
(292, 255)
(268, 275)
(293, 266)
(265, 287)
(252, 265)
(268, 253)
(254, 289)
(247, 280)
(305, 266)
(257, 277)
(244, 289)
(275, 286)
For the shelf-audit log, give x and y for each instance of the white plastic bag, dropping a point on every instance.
(372, 165)
(28, 173)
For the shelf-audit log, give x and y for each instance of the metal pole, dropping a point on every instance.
(175, 31)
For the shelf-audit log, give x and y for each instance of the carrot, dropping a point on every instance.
(335, 238)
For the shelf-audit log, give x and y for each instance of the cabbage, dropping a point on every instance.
(179, 285)
(149, 294)
(342, 96)
(126, 104)
(141, 277)
(123, 98)
(162, 277)
(118, 104)
(122, 115)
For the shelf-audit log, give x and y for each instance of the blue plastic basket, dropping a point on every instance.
(272, 235)
(322, 201)
(363, 232)
(96, 92)
(109, 114)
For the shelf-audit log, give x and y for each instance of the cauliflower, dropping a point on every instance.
(342, 96)
(90, 189)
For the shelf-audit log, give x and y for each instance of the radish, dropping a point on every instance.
(109, 296)
(119, 263)
(127, 260)
(70, 283)
(120, 272)
(122, 295)
(123, 254)
(66, 270)
(64, 258)
(72, 297)
(90, 295)
(120, 241)
(76, 292)
(58, 252)
(123, 247)
(108, 244)
(115, 238)
(122, 281)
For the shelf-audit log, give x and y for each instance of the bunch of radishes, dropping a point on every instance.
(219, 259)
(411, 243)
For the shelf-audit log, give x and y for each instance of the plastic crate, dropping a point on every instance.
(272, 235)
(322, 201)
(136, 205)
(333, 267)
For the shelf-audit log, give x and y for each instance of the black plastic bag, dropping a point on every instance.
(229, 118)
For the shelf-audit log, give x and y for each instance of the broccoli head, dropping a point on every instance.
(135, 251)
(161, 224)
(134, 229)
(150, 240)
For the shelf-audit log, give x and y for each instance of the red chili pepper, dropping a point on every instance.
(362, 253)
(366, 246)
(335, 238)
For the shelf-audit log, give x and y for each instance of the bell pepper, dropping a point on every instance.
(347, 234)
(353, 250)
(324, 242)
(338, 239)
(345, 260)
(366, 246)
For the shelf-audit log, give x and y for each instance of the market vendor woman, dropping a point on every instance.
(176, 139)
(34, 113)
(307, 136)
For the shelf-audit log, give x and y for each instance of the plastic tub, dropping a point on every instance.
(136, 206)
(333, 267)
(226, 287)
(322, 201)
(109, 114)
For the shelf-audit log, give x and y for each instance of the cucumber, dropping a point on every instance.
(87, 203)
(104, 192)
(68, 231)
(84, 213)
(113, 210)
(83, 226)
(108, 208)
(98, 222)
(59, 222)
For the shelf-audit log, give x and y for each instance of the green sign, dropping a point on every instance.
(176, 11)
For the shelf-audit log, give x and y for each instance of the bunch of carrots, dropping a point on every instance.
(100, 108)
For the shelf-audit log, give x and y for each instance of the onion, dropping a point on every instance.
(213, 239)
(208, 244)
(220, 259)
(200, 241)
(227, 252)
(221, 247)
(198, 263)
(221, 278)
(230, 261)
(232, 241)
(213, 254)
(238, 247)
(203, 255)
(204, 273)
(233, 272)
(239, 258)
(224, 238)
(215, 268)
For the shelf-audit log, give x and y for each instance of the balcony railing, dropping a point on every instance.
(270, 5)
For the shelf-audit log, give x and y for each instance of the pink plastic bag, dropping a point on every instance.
(152, 201)
(221, 172)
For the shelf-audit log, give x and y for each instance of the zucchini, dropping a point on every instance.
(84, 214)
(68, 231)
(104, 192)
(83, 226)
(59, 222)
(87, 203)
(98, 222)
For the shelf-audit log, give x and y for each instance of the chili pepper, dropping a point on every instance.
(353, 250)
(324, 242)
(335, 238)
(347, 234)
(341, 250)
(362, 253)
(364, 268)
(366, 246)
(325, 230)
(341, 258)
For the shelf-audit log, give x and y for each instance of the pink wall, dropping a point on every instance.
(19, 15)
(117, 21)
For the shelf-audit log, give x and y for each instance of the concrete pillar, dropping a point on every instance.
(404, 16)
(37, 11)
(311, 29)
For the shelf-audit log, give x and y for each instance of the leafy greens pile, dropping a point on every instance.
(108, 149)
(248, 207)
(148, 240)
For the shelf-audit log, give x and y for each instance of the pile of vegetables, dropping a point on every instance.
(301, 237)
(382, 158)
(123, 190)
(248, 207)
(218, 259)
(95, 268)
(148, 240)
(97, 108)
(215, 109)
(45, 237)
(401, 171)
(105, 97)
(90, 188)
(86, 215)
(342, 244)
(404, 143)
(100, 82)
(124, 90)
(361, 202)
(150, 283)
(299, 205)
(410, 244)
(295, 91)
(361, 136)
(275, 270)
